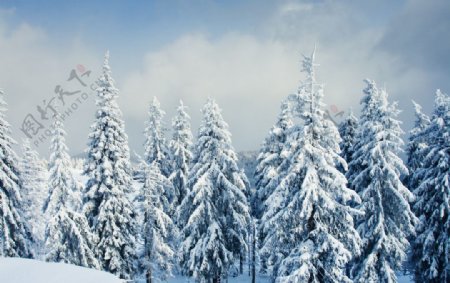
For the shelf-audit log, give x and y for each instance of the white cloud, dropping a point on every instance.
(31, 65)
(248, 74)
(247, 77)
(293, 6)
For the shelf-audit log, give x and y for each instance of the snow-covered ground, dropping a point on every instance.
(240, 279)
(19, 270)
(259, 279)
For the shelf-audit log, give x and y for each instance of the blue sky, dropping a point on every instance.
(138, 25)
(243, 53)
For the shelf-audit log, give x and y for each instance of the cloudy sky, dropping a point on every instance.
(245, 54)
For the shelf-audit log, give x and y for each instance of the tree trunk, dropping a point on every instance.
(149, 275)
(254, 253)
(241, 264)
(249, 255)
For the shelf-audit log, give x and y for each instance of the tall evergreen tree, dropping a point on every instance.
(181, 155)
(375, 173)
(347, 131)
(432, 246)
(269, 172)
(159, 231)
(156, 147)
(33, 175)
(416, 148)
(109, 212)
(417, 138)
(309, 225)
(156, 151)
(67, 234)
(15, 236)
(215, 213)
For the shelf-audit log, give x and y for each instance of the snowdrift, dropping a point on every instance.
(19, 270)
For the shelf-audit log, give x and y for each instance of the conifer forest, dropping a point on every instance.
(206, 141)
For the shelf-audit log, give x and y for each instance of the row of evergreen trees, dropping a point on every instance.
(329, 205)
(342, 206)
(124, 227)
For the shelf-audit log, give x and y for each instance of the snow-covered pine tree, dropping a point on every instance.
(67, 234)
(159, 231)
(180, 152)
(215, 214)
(33, 175)
(347, 131)
(417, 139)
(268, 171)
(309, 226)
(156, 147)
(156, 150)
(16, 239)
(415, 149)
(415, 152)
(432, 247)
(375, 172)
(110, 213)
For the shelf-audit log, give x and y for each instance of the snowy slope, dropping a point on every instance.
(240, 279)
(260, 279)
(19, 270)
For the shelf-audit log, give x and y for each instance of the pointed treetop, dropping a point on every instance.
(371, 96)
(421, 118)
(106, 62)
(210, 105)
(155, 102)
(212, 114)
(384, 96)
(370, 84)
(351, 114)
(155, 112)
(106, 68)
(3, 104)
(210, 100)
(308, 64)
(417, 107)
(313, 54)
(181, 109)
(418, 110)
(58, 125)
(441, 104)
(441, 98)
